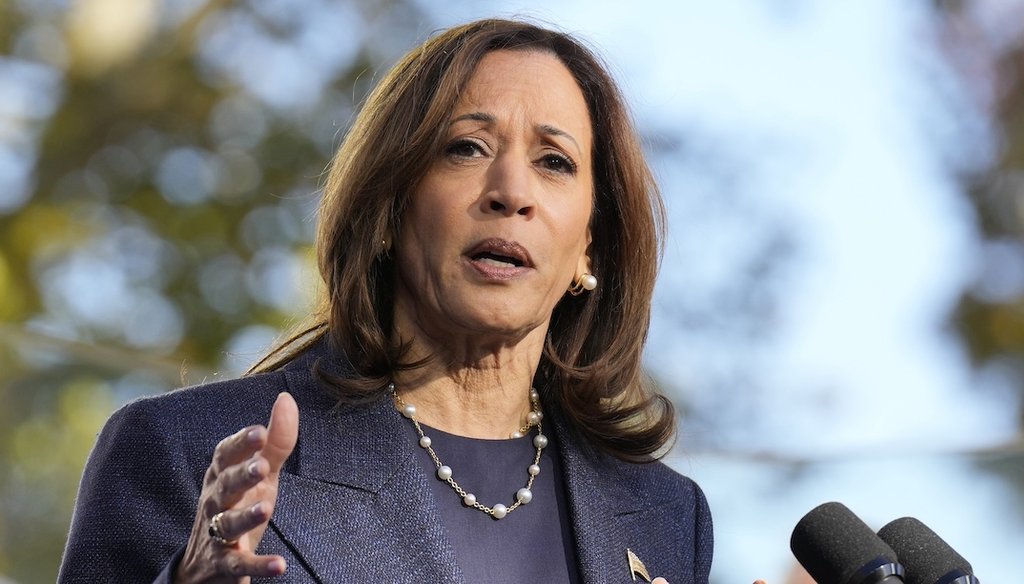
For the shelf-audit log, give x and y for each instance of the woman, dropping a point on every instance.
(469, 405)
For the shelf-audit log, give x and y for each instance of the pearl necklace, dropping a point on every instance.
(444, 473)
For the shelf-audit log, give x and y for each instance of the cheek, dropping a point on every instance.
(572, 246)
(578, 233)
(428, 236)
(423, 220)
(435, 207)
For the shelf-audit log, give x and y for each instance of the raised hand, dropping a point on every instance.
(238, 498)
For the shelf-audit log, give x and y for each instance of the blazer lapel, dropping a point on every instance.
(352, 473)
(610, 515)
(592, 518)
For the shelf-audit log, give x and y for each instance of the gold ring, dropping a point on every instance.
(217, 534)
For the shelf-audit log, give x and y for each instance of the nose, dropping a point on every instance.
(508, 191)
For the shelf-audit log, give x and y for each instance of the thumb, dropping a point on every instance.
(282, 431)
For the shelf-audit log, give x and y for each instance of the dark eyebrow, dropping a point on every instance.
(545, 129)
(549, 130)
(476, 117)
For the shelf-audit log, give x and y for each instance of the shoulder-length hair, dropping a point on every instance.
(591, 365)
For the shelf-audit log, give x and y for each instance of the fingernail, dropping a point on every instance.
(253, 436)
(277, 566)
(257, 509)
(254, 468)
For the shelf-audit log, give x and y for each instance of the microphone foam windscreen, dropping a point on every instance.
(924, 555)
(833, 544)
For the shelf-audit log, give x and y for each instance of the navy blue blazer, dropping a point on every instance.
(351, 505)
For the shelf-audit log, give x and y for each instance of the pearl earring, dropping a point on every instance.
(585, 281)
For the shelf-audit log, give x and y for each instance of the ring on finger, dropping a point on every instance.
(216, 533)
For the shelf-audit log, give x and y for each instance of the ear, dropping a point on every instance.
(583, 264)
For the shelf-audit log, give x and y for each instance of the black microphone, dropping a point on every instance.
(927, 558)
(836, 547)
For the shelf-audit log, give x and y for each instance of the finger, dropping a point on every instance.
(659, 581)
(234, 481)
(282, 432)
(238, 564)
(238, 447)
(237, 522)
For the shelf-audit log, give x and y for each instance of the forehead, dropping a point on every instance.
(530, 83)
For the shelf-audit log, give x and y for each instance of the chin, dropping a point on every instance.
(497, 322)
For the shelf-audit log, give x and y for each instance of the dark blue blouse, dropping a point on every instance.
(534, 543)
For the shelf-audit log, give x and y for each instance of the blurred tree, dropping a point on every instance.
(159, 163)
(986, 41)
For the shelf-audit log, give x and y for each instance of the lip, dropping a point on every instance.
(521, 262)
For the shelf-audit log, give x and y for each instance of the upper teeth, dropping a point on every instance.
(495, 262)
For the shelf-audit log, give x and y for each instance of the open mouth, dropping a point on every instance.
(500, 253)
(493, 259)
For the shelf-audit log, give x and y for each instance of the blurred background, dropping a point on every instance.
(841, 309)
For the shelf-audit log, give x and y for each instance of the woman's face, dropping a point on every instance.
(498, 228)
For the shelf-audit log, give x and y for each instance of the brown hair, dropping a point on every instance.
(591, 366)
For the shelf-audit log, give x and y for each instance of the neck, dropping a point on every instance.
(468, 403)
(472, 383)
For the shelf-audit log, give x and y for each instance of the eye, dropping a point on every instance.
(464, 148)
(558, 163)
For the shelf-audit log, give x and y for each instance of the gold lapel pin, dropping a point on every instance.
(636, 566)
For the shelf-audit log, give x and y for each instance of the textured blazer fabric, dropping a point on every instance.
(350, 506)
